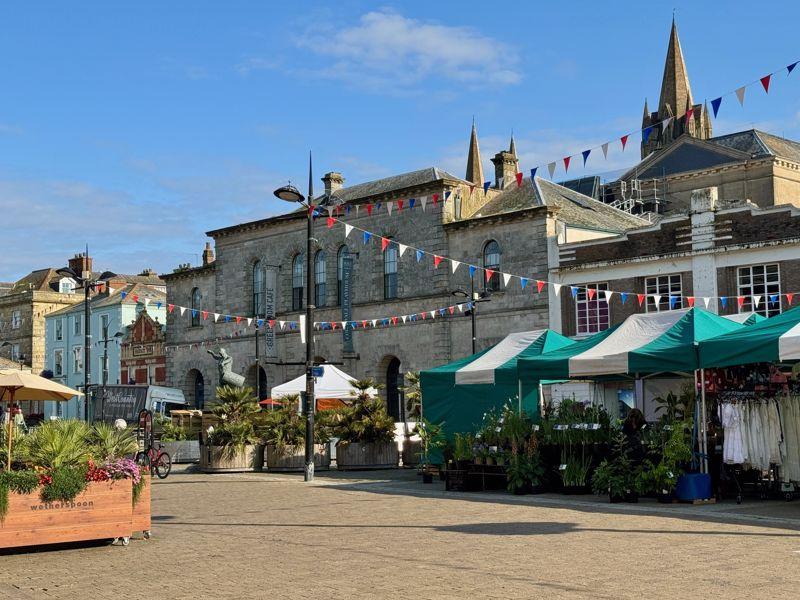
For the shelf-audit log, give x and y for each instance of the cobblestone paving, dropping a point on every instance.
(387, 536)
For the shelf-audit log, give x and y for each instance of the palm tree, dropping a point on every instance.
(361, 388)
(413, 393)
(235, 403)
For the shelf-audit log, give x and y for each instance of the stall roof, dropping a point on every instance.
(334, 383)
(771, 340)
(746, 318)
(662, 342)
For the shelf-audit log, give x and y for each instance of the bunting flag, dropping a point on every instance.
(790, 68)
(646, 133)
(608, 294)
(454, 264)
(574, 291)
(400, 206)
(533, 173)
(486, 185)
(640, 297)
(790, 297)
(423, 202)
(401, 249)
(489, 273)
(389, 206)
(724, 301)
(765, 83)
(330, 222)
(740, 301)
(170, 308)
(657, 301)
(707, 302)
(519, 179)
(774, 298)
(624, 297)
(506, 279)
(673, 302)
(740, 94)
(523, 282)
(624, 140)
(566, 163)
(585, 154)
(384, 244)
(690, 301)
(604, 147)
(472, 269)
(756, 301)
(369, 209)
(551, 167)
(591, 292)
(557, 288)
(666, 123)
(539, 286)
(436, 260)
(689, 114)
(715, 105)
(183, 310)
(347, 229)
(420, 254)
(367, 235)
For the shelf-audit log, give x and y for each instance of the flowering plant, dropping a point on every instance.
(123, 468)
(95, 473)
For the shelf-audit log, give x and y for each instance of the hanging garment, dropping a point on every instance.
(774, 433)
(732, 447)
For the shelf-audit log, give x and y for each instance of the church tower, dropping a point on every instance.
(474, 166)
(677, 114)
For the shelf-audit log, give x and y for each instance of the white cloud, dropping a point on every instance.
(386, 51)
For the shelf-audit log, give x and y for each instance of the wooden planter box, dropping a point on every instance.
(102, 511)
(140, 519)
(216, 459)
(366, 456)
(186, 451)
(293, 458)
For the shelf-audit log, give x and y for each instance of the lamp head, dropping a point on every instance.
(289, 193)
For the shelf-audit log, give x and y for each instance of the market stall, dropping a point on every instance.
(458, 394)
(331, 389)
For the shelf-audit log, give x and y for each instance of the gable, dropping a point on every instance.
(686, 157)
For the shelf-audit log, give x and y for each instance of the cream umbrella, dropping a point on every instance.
(18, 385)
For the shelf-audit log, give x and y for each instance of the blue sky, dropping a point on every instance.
(138, 127)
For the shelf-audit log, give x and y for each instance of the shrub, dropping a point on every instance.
(110, 442)
(56, 444)
(365, 421)
(63, 484)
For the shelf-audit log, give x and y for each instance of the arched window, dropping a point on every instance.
(491, 260)
(390, 271)
(394, 383)
(259, 307)
(343, 251)
(297, 282)
(196, 307)
(196, 388)
(320, 277)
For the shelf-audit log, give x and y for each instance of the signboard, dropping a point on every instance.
(318, 371)
(270, 308)
(347, 302)
(121, 402)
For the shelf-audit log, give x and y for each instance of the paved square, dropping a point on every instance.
(384, 535)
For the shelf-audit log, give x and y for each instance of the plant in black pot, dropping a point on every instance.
(617, 475)
(463, 444)
(661, 470)
(432, 438)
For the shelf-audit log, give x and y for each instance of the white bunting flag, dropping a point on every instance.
(740, 94)
(604, 147)
(454, 264)
(657, 300)
(551, 168)
(249, 321)
(756, 301)
(557, 288)
(706, 301)
(389, 206)
(344, 324)
(402, 248)
(356, 209)
(374, 321)
(330, 210)
(433, 314)
(182, 309)
(146, 302)
(404, 318)
(423, 201)
(460, 307)
(216, 317)
(506, 279)
(281, 323)
(665, 123)
(302, 329)
(347, 230)
(608, 294)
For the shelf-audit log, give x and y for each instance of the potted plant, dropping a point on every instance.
(616, 475)
(431, 437)
(365, 431)
(662, 469)
(231, 445)
(463, 450)
(177, 440)
(283, 430)
(73, 484)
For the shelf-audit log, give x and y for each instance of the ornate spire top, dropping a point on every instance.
(675, 89)
(474, 166)
(512, 148)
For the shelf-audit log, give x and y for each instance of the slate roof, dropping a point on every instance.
(102, 300)
(360, 191)
(572, 208)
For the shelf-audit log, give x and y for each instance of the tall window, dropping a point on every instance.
(760, 280)
(77, 322)
(592, 313)
(16, 319)
(195, 307)
(259, 307)
(340, 273)
(390, 271)
(491, 260)
(59, 325)
(297, 282)
(320, 277)
(77, 359)
(664, 286)
(58, 363)
(104, 325)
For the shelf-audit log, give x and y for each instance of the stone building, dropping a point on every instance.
(511, 227)
(142, 354)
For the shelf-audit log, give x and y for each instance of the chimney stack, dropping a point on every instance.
(505, 169)
(208, 254)
(333, 182)
(81, 263)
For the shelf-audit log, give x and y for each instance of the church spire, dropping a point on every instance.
(675, 90)
(645, 115)
(512, 148)
(474, 166)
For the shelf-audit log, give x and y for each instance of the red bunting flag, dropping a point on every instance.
(689, 114)
(399, 205)
(436, 260)
(423, 315)
(205, 315)
(566, 163)
(364, 324)
(740, 301)
(238, 320)
(135, 298)
(369, 209)
(640, 297)
(765, 82)
(539, 286)
(170, 307)
(384, 243)
(789, 298)
(452, 309)
(311, 209)
(271, 323)
(435, 199)
(591, 292)
(624, 140)
(330, 222)
(489, 273)
(519, 179)
(690, 300)
(333, 324)
(394, 320)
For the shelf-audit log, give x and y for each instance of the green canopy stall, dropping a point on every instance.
(459, 393)
(776, 339)
(746, 318)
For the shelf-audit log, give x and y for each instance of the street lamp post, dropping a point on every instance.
(105, 341)
(292, 194)
(474, 299)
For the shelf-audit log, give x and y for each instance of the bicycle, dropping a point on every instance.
(156, 460)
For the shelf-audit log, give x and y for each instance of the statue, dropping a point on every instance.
(225, 366)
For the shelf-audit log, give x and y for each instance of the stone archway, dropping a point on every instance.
(393, 382)
(195, 389)
(257, 379)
